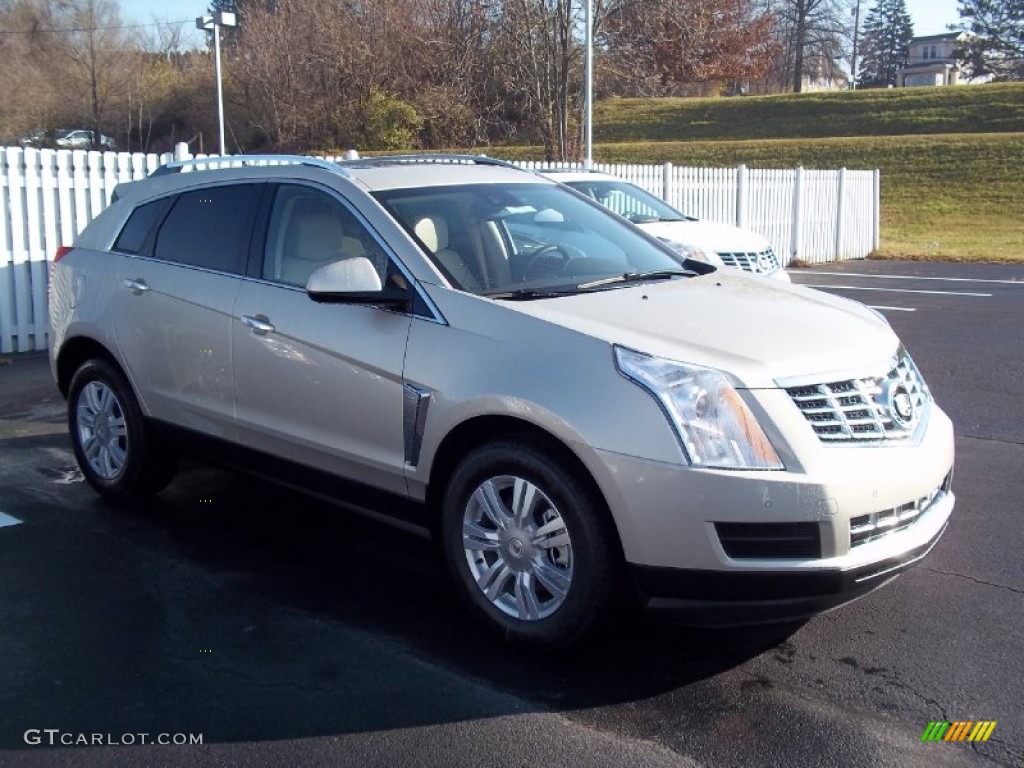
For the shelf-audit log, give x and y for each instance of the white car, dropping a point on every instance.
(709, 241)
(82, 138)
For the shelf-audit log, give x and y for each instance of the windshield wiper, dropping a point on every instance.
(639, 219)
(637, 277)
(529, 294)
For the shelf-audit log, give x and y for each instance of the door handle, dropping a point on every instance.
(260, 324)
(136, 285)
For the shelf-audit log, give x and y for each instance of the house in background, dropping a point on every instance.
(823, 73)
(833, 80)
(932, 61)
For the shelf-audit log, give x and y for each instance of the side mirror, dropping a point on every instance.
(548, 216)
(353, 281)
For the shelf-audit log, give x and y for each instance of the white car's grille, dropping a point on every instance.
(880, 408)
(762, 263)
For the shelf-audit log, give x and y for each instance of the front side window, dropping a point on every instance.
(310, 229)
(636, 204)
(496, 238)
(210, 228)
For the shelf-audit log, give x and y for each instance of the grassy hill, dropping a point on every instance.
(994, 108)
(952, 159)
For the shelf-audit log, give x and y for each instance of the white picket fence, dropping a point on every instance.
(814, 216)
(48, 196)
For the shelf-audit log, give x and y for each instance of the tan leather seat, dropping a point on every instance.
(315, 240)
(433, 231)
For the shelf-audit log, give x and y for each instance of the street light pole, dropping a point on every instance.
(853, 58)
(588, 87)
(214, 22)
(220, 86)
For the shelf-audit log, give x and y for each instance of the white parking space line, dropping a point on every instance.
(893, 309)
(897, 290)
(6, 520)
(916, 277)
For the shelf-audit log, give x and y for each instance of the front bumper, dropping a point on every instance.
(717, 547)
(731, 598)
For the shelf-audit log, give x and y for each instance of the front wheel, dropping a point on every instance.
(118, 454)
(530, 549)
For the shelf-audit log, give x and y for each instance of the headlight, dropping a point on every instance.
(689, 251)
(714, 426)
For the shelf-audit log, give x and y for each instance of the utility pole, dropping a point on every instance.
(856, 36)
(588, 89)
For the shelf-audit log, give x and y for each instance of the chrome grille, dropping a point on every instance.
(761, 263)
(865, 528)
(888, 407)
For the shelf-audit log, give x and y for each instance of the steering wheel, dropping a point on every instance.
(543, 252)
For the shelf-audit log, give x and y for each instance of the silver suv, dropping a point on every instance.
(574, 411)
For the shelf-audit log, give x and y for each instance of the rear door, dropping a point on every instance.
(173, 321)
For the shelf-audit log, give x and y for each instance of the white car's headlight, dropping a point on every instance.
(714, 426)
(689, 251)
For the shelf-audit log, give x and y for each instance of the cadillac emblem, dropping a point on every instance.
(901, 406)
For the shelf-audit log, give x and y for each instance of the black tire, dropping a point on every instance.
(116, 449)
(521, 608)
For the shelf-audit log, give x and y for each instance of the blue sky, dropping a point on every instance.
(931, 17)
(143, 11)
(146, 11)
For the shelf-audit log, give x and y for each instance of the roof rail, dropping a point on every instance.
(426, 157)
(568, 169)
(231, 161)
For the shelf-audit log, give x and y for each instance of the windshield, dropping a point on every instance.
(527, 239)
(636, 204)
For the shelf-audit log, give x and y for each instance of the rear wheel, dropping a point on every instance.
(530, 550)
(116, 450)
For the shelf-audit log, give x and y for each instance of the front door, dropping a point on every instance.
(320, 384)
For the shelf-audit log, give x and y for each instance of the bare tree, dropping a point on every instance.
(316, 73)
(33, 104)
(462, 95)
(90, 65)
(689, 41)
(538, 42)
(814, 35)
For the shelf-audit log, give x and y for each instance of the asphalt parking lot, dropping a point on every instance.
(286, 631)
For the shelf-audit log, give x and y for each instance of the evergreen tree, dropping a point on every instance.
(998, 46)
(884, 43)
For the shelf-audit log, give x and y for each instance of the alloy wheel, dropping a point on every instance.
(102, 430)
(518, 547)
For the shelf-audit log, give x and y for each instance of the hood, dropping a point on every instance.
(708, 235)
(756, 330)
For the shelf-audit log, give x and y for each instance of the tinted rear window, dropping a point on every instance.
(210, 228)
(139, 225)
